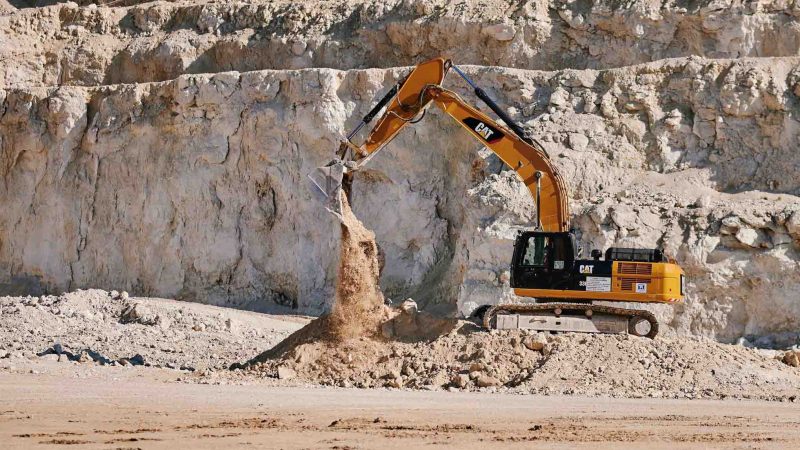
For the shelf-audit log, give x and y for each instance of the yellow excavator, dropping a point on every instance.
(545, 266)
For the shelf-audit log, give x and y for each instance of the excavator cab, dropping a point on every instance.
(543, 260)
(548, 266)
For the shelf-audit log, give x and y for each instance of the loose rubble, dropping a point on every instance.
(95, 326)
(468, 358)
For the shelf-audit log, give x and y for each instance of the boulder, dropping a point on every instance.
(792, 358)
(483, 380)
(534, 344)
(460, 380)
(286, 373)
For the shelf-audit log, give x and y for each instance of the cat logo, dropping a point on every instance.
(487, 132)
(585, 269)
(484, 131)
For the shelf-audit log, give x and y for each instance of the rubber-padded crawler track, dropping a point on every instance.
(528, 308)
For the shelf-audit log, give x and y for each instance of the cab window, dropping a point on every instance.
(544, 251)
(534, 251)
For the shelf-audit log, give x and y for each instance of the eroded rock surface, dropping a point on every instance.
(194, 188)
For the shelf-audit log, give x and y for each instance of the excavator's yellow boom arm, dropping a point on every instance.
(407, 103)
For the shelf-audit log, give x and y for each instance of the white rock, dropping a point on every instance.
(578, 141)
(748, 236)
(559, 97)
(793, 225)
(501, 31)
(704, 201)
(409, 306)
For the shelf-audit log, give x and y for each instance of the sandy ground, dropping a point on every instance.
(180, 393)
(136, 407)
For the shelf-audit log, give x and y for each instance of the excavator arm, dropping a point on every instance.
(407, 103)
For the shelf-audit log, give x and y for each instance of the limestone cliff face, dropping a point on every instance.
(194, 186)
(158, 41)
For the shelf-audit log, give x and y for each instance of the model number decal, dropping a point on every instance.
(598, 284)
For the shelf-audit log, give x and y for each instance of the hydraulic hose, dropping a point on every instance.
(481, 94)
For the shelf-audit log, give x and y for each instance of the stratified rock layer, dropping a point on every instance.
(66, 44)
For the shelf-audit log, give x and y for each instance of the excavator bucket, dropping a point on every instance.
(328, 179)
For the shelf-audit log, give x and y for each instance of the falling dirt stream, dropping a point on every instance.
(358, 307)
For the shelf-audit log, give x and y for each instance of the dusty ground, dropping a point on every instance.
(115, 407)
(181, 394)
(99, 329)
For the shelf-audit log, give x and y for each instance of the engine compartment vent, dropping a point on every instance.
(628, 268)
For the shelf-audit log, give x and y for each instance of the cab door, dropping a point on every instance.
(542, 261)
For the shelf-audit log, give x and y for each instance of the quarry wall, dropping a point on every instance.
(162, 148)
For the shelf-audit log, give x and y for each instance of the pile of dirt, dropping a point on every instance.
(359, 324)
(358, 316)
(358, 310)
(522, 362)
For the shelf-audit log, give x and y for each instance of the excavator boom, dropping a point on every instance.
(407, 103)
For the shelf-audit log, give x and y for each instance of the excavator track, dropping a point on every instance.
(579, 308)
